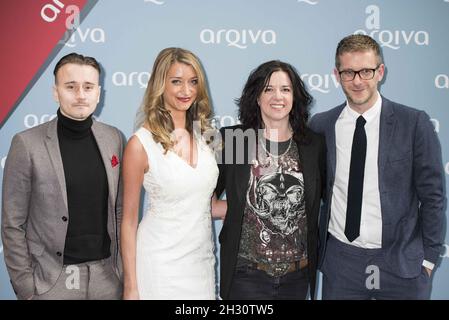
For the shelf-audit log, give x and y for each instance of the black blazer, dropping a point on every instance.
(234, 178)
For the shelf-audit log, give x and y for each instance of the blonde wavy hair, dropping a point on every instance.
(157, 117)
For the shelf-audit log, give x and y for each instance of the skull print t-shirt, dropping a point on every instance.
(274, 230)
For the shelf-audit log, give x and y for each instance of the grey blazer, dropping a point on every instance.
(34, 202)
(411, 185)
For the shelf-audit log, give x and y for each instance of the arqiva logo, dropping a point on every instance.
(392, 39)
(122, 79)
(41, 21)
(319, 82)
(311, 2)
(445, 254)
(238, 38)
(442, 81)
(436, 125)
(155, 2)
(71, 39)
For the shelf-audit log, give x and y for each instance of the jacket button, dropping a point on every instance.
(64, 218)
(58, 254)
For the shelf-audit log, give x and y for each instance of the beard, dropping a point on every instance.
(359, 100)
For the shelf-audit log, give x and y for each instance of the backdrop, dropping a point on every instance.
(231, 37)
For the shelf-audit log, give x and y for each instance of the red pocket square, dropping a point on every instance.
(114, 161)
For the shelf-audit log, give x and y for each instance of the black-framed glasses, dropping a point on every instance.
(364, 74)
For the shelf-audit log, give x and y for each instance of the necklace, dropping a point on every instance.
(279, 155)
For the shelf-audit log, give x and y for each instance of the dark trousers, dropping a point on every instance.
(252, 284)
(353, 273)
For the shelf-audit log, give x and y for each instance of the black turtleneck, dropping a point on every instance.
(87, 236)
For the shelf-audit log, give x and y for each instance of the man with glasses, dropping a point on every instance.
(381, 227)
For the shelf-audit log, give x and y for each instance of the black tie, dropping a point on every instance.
(355, 186)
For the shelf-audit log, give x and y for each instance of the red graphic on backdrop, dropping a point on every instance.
(30, 30)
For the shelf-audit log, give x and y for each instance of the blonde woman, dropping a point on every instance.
(170, 254)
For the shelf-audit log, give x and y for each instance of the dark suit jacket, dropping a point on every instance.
(234, 179)
(34, 203)
(411, 185)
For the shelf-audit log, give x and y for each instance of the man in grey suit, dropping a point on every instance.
(61, 196)
(381, 227)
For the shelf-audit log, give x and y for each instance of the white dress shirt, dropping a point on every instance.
(371, 216)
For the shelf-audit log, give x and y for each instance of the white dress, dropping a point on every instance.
(175, 250)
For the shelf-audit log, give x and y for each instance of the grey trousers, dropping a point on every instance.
(94, 280)
(351, 273)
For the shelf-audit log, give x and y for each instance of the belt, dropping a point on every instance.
(292, 267)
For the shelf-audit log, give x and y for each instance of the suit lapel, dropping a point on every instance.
(241, 180)
(331, 140)
(386, 130)
(308, 173)
(52, 144)
(243, 172)
(103, 145)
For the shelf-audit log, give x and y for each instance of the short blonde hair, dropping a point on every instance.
(357, 43)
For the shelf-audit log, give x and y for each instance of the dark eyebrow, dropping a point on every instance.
(74, 82)
(283, 86)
